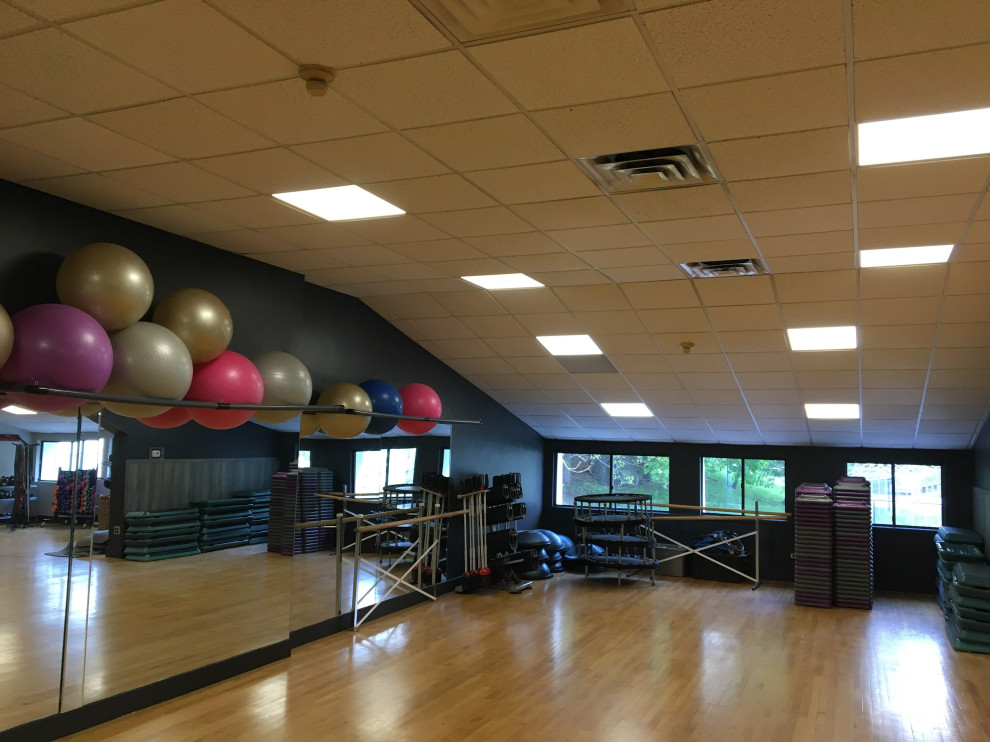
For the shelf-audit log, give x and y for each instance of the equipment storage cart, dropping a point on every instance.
(619, 525)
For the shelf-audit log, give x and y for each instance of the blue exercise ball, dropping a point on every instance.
(384, 398)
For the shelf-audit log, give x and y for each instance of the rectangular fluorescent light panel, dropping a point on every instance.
(15, 410)
(832, 411)
(626, 409)
(822, 338)
(340, 204)
(503, 281)
(904, 256)
(570, 345)
(957, 134)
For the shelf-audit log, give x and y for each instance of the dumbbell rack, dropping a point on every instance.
(504, 509)
(619, 524)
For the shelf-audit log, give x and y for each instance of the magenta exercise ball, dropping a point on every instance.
(173, 418)
(231, 378)
(418, 400)
(57, 346)
(6, 336)
(108, 282)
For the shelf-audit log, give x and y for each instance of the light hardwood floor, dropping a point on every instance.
(575, 660)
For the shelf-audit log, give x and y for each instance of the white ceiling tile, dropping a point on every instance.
(480, 312)
(675, 320)
(832, 360)
(695, 436)
(813, 380)
(945, 412)
(897, 336)
(553, 323)
(804, 263)
(964, 335)
(530, 301)
(299, 260)
(675, 203)
(60, 10)
(970, 397)
(610, 323)
(182, 128)
(18, 163)
(808, 244)
(317, 236)
(819, 313)
(604, 382)
(720, 292)
(413, 306)
(922, 234)
(98, 191)
(572, 213)
(901, 281)
(424, 91)
(883, 29)
(179, 182)
(888, 440)
(689, 363)
(921, 179)
(536, 366)
(786, 438)
(598, 238)
(270, 171)
(372, 158)
(848, 395)
(496, 220)
(919, 311)
(755, 317)
(891, 358)
(906, 427)
(643, 273)
(586, 277)
(931, 210)
(368, 255)
(670, 342)
(284, 113)
(621, 345)
(84, 144)
(503, 141)
(709, 249)
(813, 99)
(640, 364)
(254, 212)
(800, 221)
(894, 378)
(767, 380)
(17, 109)
(430, 251)
(793, 192)
(13, 20)
(980, 230)
(661, 294)
(762, 341)
(818, 151)
(435, 193)
(775, 396)
(942, 441)
(467, 348)
(595, 62)
(58, 69)
(965, 308)
(562, 261)
(481, 266)
(179, 219)
(647, 122)
(548, 181)
(794, 422)
(702, 229)
(624, 257)
(404, 228)
(814, 287)
(525, 243)
(734, 39)
(438, 328)
(961, 358)
(339, 33)
(247, 242)
(756, 362)
(186, 44)
(592, 298)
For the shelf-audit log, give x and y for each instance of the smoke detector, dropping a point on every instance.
(317, 77)
(650, 169)
(723, 268)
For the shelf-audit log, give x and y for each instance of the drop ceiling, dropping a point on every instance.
(185, 115)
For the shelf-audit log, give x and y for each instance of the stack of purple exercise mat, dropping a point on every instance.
(853, 543)
(813, 560)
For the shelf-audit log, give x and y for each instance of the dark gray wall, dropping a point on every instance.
(981, 482)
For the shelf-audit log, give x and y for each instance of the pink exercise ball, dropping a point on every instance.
(231, 378)
(57, 346)
(173, 418)
(419, 400)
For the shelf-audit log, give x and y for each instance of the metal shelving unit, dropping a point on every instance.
(620, 525)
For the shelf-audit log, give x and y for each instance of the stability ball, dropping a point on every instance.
(384, 398)
(308, 424)
(58, 346)
(108, 282)
(287, 381)
(6, 336)
(173, 418)
(343, 425)
(148, 361)
(200, 319)
(90, 408)
(420, 401)
(231, 378)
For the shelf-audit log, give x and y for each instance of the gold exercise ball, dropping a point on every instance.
(90, 408)
(148, 361)
(287, 381)
(308, 424)
(200, 320)
(341, 425)
(6, 336)
(108, 282)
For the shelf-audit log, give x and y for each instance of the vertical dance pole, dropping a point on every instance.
(339, 559)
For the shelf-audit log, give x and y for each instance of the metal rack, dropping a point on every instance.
(620, 525)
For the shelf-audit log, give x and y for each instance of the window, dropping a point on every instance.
(903, 494)
(57, 455)
(445, 463)
(374, 469)
(596, 473)
(304, 460)
(740, 484)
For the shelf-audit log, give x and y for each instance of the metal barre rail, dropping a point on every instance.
(422, 519)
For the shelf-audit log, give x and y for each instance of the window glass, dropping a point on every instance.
(581, 474)
(369, 471)
(304, 461)
(881, 489)
(445, 466)
(648, 475)
(919, 495)
(401, 465)
(722, 483)
(57, 455)
(764, 484)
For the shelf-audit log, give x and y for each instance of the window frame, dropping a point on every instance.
(101, 443)
(611, 481)
(893, 493)
(742, 481)
(388, 462)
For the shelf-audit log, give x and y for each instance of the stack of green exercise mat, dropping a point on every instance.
(223, 523)
(260, 502)
(954, 545)
(165, 534)
(964, 589)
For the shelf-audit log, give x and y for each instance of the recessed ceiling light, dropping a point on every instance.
(627, 409)
(570, 345)
(503, 281)
(904, 256)
(832, 411)
(941, 135)
(15, 410)
(822, 338)
(340, 204)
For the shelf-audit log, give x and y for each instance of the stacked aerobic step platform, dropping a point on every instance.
(965, 596)
(954, 545)
(813, 562)
(260, 503)
(853, 543)
(223, 523)
(151, 536)
(294, 500)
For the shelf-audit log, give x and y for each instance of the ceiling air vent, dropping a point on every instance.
(720, 268)
(472, 20)
(649, 169)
